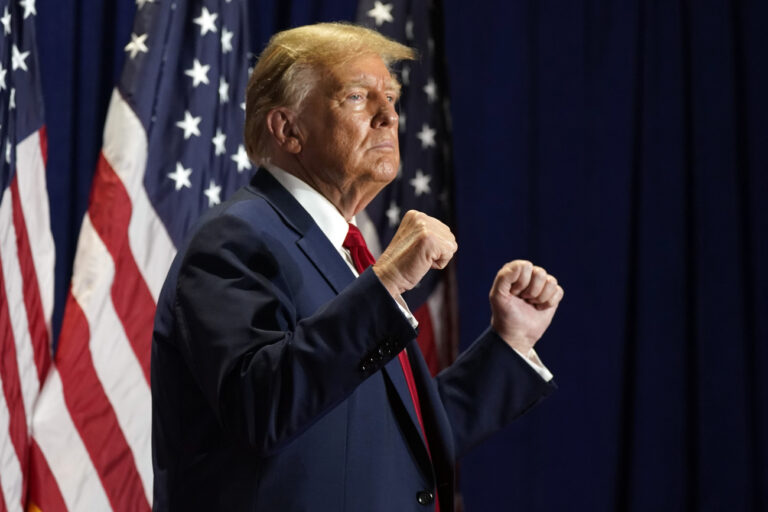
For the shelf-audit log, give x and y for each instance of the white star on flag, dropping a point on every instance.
(431, 90)
(2, 77)
(426, 136)
(6, 21)
(137, 45)
(405, 74)
(29, 7)
(141, 3)
(402, 121)
(8, 151)
(223, 91)
(12, 99)
(18, 59)
(381, 13)
(213, 193)
(198, 73)
(226, 40)
(241, 158)
(421, 183)
(207, 21)
(219, 141)
(190, 125)
(393, 214)
(181, 176)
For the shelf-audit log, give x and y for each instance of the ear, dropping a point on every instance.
(281, 123)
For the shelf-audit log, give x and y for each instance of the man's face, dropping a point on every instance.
(349, 127)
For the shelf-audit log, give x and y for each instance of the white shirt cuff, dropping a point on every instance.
(532, 358)
(406, 312)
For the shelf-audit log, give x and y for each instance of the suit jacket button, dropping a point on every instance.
(364, 367)
(425, 497)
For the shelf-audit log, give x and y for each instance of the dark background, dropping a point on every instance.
(621, 145)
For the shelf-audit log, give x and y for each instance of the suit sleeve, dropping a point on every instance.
(487, 387)
(267, 374)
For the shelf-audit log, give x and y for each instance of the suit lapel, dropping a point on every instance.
(402, 406)
(394, 371)
(312, 241)
(325, 258)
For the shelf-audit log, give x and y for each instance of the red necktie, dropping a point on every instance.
(362, 258)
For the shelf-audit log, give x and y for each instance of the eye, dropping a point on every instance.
(391, 98)
(356, 96)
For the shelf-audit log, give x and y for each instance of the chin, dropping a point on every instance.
(386, 171)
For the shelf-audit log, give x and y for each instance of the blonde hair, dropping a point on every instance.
(288, 68)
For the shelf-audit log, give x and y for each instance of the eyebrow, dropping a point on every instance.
(393, 84)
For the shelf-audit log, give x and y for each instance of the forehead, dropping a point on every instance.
(368, 70)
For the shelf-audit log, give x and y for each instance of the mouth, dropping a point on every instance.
(384, 146)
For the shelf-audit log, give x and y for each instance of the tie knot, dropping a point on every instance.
(358, 249)
(354, 238)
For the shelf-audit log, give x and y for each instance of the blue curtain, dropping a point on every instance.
(621, 145)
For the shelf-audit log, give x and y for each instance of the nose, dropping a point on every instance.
(386, 115)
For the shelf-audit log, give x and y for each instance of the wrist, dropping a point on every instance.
(514, 338)
(388, 281)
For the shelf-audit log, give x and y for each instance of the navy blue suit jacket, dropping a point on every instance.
(275, 384)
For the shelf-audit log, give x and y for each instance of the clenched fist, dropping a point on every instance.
(523, 301)
(421, 243)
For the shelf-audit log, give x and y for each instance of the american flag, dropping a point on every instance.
(172, 148)
(26, 248)
(424, 182)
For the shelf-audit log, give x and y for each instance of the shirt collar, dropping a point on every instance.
(323, 212)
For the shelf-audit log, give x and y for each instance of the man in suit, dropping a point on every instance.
(285, 376)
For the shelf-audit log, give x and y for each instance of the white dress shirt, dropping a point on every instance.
(335, 227)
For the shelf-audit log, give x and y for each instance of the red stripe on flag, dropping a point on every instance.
(2, 498)
(93, 415)
(43, 132)
(9, 369)
(44, 492)
(110, 212)
(38, 331)
(426, 339)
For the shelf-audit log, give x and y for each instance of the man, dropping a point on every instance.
(285, 376)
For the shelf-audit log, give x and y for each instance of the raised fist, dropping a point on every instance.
(421, 243)
(523, 301)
